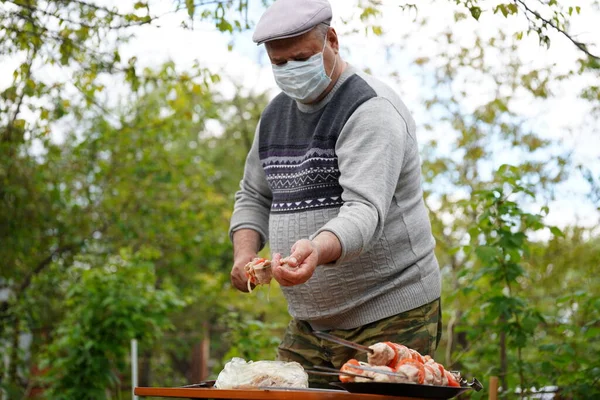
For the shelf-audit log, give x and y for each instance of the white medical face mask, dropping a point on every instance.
(304, 81)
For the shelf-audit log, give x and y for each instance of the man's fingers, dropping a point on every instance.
(300, 251)
(239, 284)
(280, 274)
(291, 261)
(293, 274)
(288, 276)
(239, 279)
(284, 281)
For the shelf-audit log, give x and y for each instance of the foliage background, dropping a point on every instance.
(118, 168)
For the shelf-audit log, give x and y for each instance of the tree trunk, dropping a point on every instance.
(195, 367)
(200, 356)
(14, 352)
(503, 360)
(205, 350)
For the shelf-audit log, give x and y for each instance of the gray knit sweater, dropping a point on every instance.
(348, 165)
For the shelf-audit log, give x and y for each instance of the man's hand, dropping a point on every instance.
(299, 266)
(246, 243)
(238, 275)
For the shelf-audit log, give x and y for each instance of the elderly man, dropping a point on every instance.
(332, 182)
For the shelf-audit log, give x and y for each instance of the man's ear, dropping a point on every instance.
(332, 38)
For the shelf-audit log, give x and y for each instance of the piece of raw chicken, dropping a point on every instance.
(349, 366)
(408, 365)
(258, 272)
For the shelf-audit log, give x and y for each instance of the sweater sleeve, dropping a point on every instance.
(253, 200)
(370, 151)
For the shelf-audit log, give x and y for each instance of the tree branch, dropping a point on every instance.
(45, 263)
(54, 36)
(80, 23)
(93, 6)
(580, 46)
(11, 124)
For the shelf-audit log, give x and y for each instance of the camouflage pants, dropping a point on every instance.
(419, 329)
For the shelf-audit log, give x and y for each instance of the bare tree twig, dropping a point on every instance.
(580, 46)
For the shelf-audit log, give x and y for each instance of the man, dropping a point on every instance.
(333, 181)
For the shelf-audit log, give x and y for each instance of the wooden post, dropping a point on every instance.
(493, 388)
(195, 367)
(205, 350)
(200, 356)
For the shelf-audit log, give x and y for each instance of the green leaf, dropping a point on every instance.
(592, 333)
(487, 254)
(502, 8)
(557, 232)
(475, 12)
(191, 7)
(369, 12)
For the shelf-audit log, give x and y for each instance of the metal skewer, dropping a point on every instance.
(335, 372)
(474, 384)
(377, 370)
(343, 342)
(200, 384)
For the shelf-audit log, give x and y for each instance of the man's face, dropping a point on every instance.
(301, 48)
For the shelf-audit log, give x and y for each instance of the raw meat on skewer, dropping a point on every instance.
(408, 365)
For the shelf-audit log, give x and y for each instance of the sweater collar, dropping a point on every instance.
(309, 108)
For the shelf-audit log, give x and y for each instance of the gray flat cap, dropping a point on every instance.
(289, 18)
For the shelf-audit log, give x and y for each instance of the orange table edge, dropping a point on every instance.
(258, 394)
